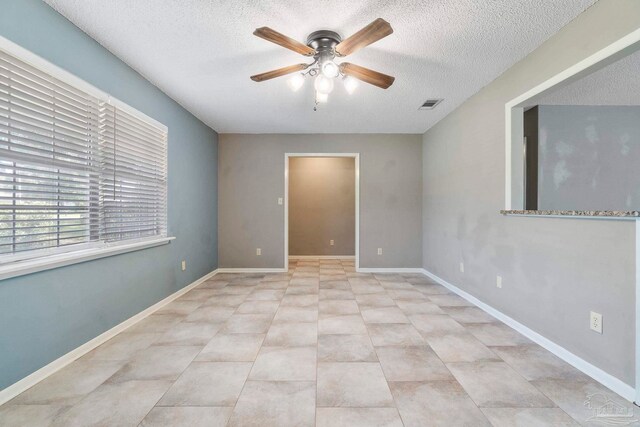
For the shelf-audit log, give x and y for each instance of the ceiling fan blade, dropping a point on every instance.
(373, 32)
(284, 41)
(366, 75)
(279, 72)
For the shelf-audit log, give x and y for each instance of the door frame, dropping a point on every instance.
(287, 156)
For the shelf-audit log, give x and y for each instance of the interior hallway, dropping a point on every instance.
(321, 345)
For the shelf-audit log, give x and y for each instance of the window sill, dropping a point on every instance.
(615, 215)
(20, 268)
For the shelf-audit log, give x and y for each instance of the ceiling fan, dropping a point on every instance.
(325, 46)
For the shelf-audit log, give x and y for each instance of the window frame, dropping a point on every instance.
(12, 265)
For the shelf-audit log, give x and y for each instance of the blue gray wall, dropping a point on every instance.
(47, 314)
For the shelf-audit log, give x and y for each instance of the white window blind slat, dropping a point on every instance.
(74, 169)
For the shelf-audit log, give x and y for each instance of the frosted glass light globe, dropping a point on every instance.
(323, 84)
(295, 82)
(350, 84)
(330, 69)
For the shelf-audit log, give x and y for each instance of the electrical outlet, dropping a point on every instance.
(280, 201)
(258, 251)
(462, 267)
(595, 322)
(184, 265)
(499, 282)
(331, 242)
(379, 251)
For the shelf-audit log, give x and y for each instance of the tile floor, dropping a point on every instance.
(320, 345)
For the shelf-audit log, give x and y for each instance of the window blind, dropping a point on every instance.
(75, 170)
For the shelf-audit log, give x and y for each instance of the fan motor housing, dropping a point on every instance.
(323, 40)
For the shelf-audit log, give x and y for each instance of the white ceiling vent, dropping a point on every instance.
(430, 104)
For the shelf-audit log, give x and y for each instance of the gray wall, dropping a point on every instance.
(589, 157)
(251, 178)
(322, 206)
(47, 314)
(554, 270)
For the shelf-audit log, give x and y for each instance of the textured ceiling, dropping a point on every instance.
(202, 52)
(616, 84)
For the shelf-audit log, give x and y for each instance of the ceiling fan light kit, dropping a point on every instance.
(325, 46)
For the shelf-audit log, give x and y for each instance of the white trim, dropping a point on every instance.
(356, 156)
(53, 367)
(577, 362)
(71, 79)
(322, 257)
(390, 270)
(601, 58)
(251, 270)
(637, 364)
(33, 265)
(601, 217)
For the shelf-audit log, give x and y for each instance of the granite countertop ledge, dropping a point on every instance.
(611, 214)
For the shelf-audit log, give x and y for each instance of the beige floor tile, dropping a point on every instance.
(535, 363)
(436, 324)
(338, 307)
(469, 315)
(266, 295)
(224, 300)
(397, 285)
(496, 334)
(198, 294)
(296, 314)
(460, 347)
(292, 334)
(361, 288)
(275, 404)
(70, 384)
(187, 416)
(342, 285)
(157, 363)
(383, 315)
(375, 300)
(496, 385)
(28, 415)
(114, 404)
(352, 385)
(247, 324)
(304, 281)
(336, 294)
(258, 307)
(449, 300)
(210, 314)
(208, 384)
(123, 346)
(285, 364)
(528, 417)
(180, 307)
(155, 323)
(189, 333)
(418, 307)
(346, 348)
(231, 348)
(431, 289)
(299, 301)
(385, 334)
(418, 363)
(273, 284)
(302, 290)
(358, 417)
(436, 403)
(411, 294)
(341, 324)
(584, 400)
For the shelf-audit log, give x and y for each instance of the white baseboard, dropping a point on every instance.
(389, 270)
(609, 381)
(53, 367)
(251, 270)
(301, 257)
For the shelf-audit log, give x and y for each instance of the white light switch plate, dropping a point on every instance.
(258, 251)
(183, 265)
(280, 201)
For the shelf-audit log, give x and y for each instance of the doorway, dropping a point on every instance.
(322, 205)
